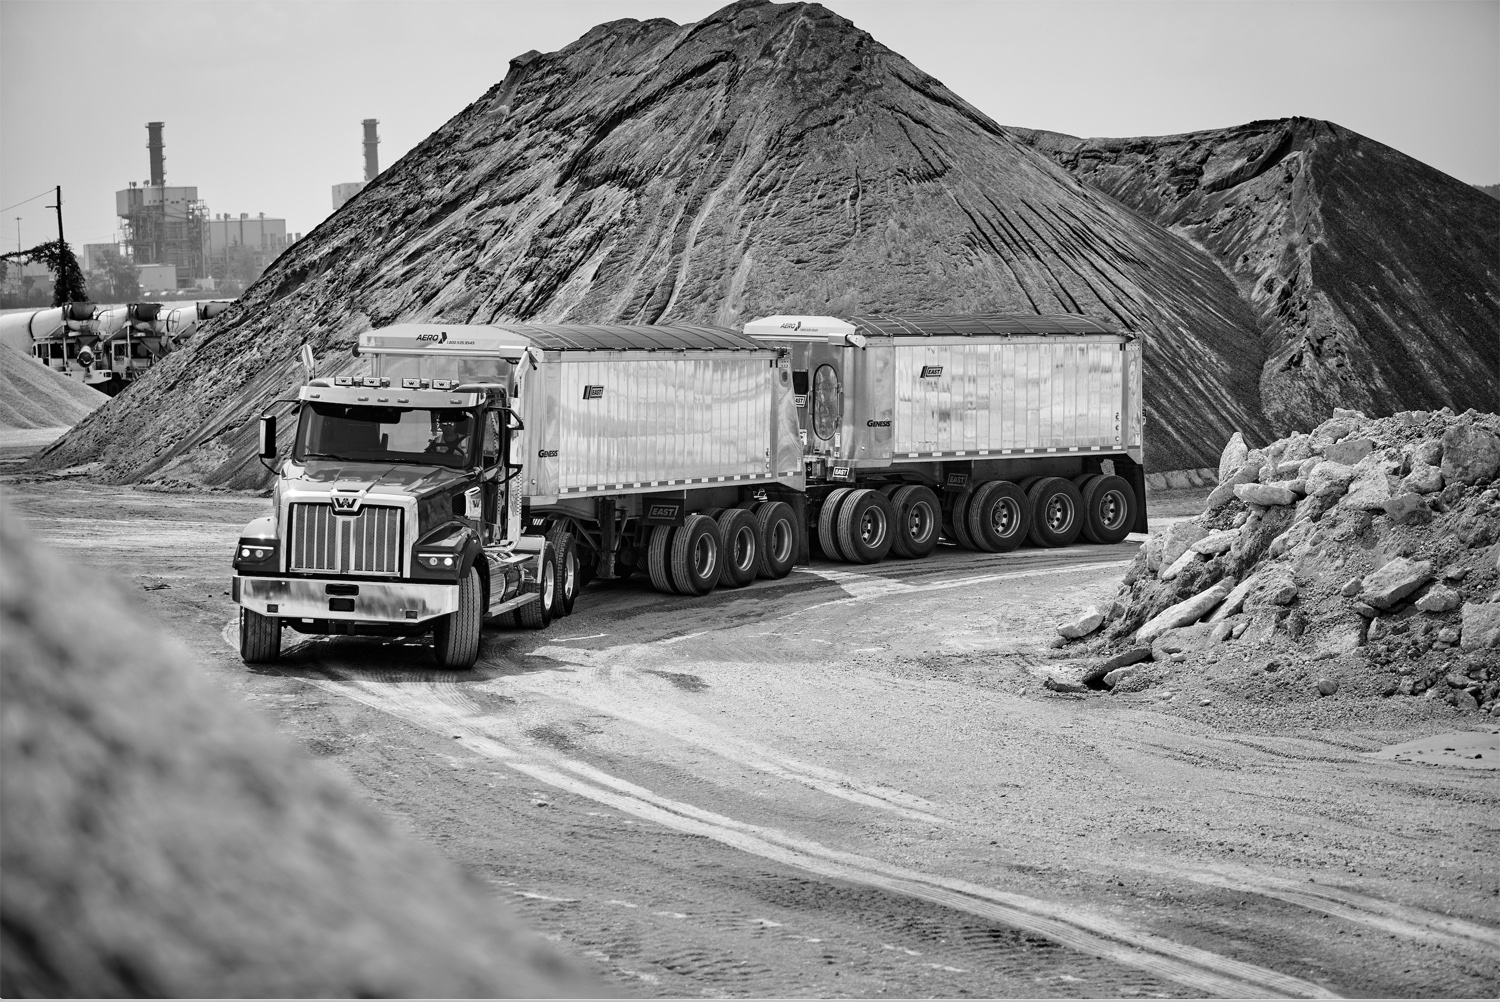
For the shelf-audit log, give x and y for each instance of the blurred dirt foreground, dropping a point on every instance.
(158, 839)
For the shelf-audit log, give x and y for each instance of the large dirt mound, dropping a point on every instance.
(1359, 558)
(159, 840)
(1375, 278)
(34, 396)
(769, 158)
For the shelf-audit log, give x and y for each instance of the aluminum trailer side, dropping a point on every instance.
(985, 430)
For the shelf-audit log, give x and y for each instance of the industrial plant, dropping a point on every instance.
(343, 192)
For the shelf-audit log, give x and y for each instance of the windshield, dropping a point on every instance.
(359, 433)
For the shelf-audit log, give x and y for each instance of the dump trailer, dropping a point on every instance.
(988, 431)
(490, 470)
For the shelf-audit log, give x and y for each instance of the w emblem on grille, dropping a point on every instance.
(345, 505)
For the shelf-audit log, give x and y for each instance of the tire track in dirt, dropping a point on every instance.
(438, 708)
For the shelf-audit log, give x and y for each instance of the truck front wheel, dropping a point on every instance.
(455, 637)
(260, 637)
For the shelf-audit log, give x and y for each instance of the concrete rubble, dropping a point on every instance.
(1360, 559)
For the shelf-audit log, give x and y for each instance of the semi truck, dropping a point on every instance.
(483, 471)
(987, 430)
(63, 338)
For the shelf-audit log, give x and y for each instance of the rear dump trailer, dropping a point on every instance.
(484, 471)
(989, 431)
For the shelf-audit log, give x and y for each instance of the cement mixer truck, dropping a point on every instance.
(133, 338)
(488, 471)
(63, 338)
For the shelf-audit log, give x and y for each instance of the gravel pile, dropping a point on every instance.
(1360, 558)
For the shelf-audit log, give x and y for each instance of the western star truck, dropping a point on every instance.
(986, 430)
(490, 470)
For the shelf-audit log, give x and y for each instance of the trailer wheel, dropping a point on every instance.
(1056, 512)
(1108, 509)
(741, 535)
(866, 527)
(455, 637)
(537, 615)
(960, 519)
(777, 528)
(567, 571)
(1026, 483)
(918, 521)
(828, 523)
(697, 556)
(999, 517)
(659, 559)
(260, 637)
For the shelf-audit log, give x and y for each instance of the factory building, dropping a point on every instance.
(163, 225)
(343, 192)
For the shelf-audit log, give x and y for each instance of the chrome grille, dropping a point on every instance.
(367, 542)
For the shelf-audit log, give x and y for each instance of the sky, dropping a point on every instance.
(263, 100)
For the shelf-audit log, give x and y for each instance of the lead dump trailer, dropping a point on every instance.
(986, 430)
(491, 470)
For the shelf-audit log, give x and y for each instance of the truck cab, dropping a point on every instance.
(397, 513)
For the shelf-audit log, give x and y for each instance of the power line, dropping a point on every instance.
(23, 201)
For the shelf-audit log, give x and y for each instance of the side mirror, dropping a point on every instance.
(268, 437)
(308, 363)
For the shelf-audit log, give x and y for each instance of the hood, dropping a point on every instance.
(409, 478)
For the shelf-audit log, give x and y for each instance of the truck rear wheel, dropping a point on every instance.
(260, 637)
(455, 637)
(659, 559)
(537, 615)
(828, 523)
(777, 528)
(1056, 512)
(960, 519)
(918, 521)
(567, 571)
(741, 536)
(697, 556)
(865, 527)
(1108, 509)
(999, 516)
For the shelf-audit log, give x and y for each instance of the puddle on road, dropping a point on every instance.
(1459, 749)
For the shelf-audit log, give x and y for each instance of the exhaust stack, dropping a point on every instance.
(158, 161)
(372, 159)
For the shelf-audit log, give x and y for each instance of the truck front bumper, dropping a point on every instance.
(324, 598)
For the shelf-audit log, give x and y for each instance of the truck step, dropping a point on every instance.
(514, 603)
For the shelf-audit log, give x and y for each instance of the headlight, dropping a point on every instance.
(437, 559)
(255, 555)
(256, 552)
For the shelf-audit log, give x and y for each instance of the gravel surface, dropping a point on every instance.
(854, 782)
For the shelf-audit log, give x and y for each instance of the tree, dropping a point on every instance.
(114, 279)
(68, 285)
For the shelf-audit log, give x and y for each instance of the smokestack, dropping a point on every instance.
(372, 159)
(158, 162)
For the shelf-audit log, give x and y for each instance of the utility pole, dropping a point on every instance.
(60, 248)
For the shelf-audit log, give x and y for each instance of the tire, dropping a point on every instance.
(1026, 483)
(867, 524)
(776, 526)
(828, 522)
(1082, 479)
(999, 517)
(1056, 512)
(659, 559)
(960, 518)
(697, 556)
(741, 555)
(538, 615)
(260, 637)
(455, 637)
(567, 571)
(1109, 509)
(919, 521)
(889, 490)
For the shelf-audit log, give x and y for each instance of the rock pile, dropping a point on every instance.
(1365, 551)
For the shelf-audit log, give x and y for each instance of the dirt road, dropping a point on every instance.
(852, 783)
